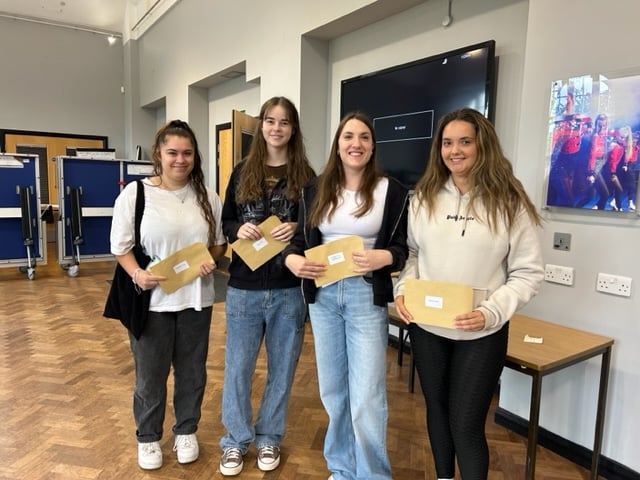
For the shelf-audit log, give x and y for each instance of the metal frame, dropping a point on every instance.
(20, 213)
(87, 189)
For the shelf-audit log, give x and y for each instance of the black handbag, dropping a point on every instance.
(126, 301)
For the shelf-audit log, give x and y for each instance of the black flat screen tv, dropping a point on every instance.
(406, 101)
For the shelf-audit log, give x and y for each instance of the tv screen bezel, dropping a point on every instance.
(490, 81)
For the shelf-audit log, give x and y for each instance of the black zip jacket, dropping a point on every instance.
(392, 237)
(273, 274)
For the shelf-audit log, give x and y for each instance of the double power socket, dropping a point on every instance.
(605, 283)
(558, 274)
(614, 284)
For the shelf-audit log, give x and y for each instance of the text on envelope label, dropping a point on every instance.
(181, 267)
(433, 302)
(260, 244)
(336, 258)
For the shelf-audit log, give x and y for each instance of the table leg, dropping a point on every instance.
(534, 417)
(401, 340)
(602, 401)
(412, 374)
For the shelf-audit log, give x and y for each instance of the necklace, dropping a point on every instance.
(182, 193)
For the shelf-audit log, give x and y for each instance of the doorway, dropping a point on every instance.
(233, 141)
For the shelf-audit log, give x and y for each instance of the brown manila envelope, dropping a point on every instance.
(256, 253)
(436, 303)
(181, 267)
(337, 255)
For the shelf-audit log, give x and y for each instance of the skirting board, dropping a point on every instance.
(609, 469)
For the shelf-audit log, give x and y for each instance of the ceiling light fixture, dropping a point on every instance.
(79, 28)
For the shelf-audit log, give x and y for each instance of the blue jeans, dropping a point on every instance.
(350, 335)
(181, 339)
(278, 315)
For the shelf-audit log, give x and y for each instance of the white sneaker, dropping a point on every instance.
(149, 455)
(268, 458)
(231, 462)
(186, 448)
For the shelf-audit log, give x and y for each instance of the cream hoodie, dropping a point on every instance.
(504, 268)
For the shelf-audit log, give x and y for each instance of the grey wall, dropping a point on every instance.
(60, 80)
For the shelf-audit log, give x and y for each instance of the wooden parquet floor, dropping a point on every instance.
(66, 385)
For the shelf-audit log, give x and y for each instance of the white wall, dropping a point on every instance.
(215, 35)
(60, 80)
(569, 397)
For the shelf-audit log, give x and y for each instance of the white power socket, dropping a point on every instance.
(614, 284)
(558, 274)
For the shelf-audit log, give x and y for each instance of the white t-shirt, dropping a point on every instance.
(344, 223)
(172, 220)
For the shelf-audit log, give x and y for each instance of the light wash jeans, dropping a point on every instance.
(278, 315)
(181, 339)
(350, 335)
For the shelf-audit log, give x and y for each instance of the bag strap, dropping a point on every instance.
(139, 211)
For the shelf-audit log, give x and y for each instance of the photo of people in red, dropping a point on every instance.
(594, 130)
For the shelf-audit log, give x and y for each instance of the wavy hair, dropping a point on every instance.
(254, 169)
(491, 178)
(179, 128)
(332, 180)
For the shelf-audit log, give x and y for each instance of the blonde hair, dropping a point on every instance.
(627, 137)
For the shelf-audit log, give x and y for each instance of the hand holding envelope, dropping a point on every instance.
(181, 267)
(437, 303)
(256, 253)
(338, 256)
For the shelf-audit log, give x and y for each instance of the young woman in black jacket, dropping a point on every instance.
(349, 317)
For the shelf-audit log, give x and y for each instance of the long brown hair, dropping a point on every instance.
(182, 129)
(254, 170)
(332, 180)
(491, 177)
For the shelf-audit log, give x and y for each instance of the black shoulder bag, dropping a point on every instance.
(126, 301)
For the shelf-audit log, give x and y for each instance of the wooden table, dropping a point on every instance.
(562, 347)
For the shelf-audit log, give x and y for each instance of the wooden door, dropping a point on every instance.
(225, 160)
(233, 142)
(243, 127)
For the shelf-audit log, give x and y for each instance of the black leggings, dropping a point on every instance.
(458, 380)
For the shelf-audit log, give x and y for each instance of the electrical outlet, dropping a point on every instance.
(558, 274)
(614, 284)
(562, 241)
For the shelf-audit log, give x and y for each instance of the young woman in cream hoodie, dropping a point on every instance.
(470, 222)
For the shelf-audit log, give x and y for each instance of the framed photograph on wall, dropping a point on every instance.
(592, 143)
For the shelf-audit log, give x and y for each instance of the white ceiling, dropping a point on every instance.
(102, 15)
